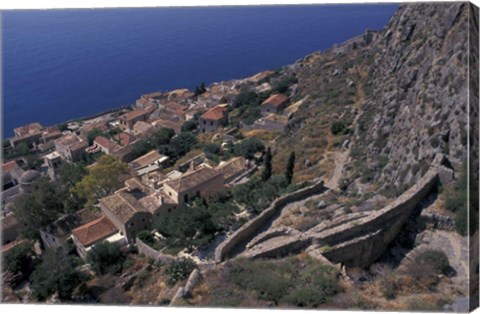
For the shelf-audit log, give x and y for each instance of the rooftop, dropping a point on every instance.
(276, 100)
(29, 129)
(10, 166)
(123, 205)
(142, 126)
(94, 231)
(105, 142)
(232, 167)
(193, 179)
(72, 141)
(147, 159)
(133, 114)
(216, 113)
(126, 138)
(66, 224)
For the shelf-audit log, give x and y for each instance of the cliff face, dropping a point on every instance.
(402, 92)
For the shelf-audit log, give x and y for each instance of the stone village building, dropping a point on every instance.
(213, 119)
(274, 104)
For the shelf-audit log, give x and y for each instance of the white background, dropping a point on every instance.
(76, 309)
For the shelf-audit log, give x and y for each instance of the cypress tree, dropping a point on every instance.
(290, 167)
(267, 171)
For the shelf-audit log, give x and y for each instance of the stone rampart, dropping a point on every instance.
(357, 242)
(148, 251)
(248, 230)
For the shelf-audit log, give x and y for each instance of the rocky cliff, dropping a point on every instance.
(401, 93)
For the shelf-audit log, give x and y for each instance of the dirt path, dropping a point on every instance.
(340, 159)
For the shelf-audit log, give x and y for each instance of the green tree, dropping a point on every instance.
(181, 144)
(267, 170)
(290, 167)
(69, 174)
(39, 208)
(17, 259)
(57, 273)
(106, 258)
(189, 126)
(248, 147)
(102, 179)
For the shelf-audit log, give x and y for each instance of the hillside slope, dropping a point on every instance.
(401, 93)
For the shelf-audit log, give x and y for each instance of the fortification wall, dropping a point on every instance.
(148, 251)
(248, 230)
(360, 241)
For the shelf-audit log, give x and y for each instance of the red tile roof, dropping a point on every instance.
(276, 100)
(133, 114)
(105, 142)
(94, 231)
(216, 113)
(126, 138)
(9, 166)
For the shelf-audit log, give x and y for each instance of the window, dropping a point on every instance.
(185, 198)
(131, 224)
(211, 123)
(170, 193)
(143, 220)
(169, 210)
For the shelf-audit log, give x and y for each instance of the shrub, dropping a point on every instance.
(106, 258)
(179, 270)
(146, 237)
(17, 258)
(434, 260)
(338, 127)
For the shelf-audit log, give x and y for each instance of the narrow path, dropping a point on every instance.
(340, 159)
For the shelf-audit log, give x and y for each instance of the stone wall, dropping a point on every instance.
(248, 230)
(359, 239)
(148, 251)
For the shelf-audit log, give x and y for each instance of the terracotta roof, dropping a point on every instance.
(126, 138)
(169, 124)
(276, 100)
(67, 223)
(232, 168)
(192, 179)
(142, 126)
(175, 107)
(105, 142)
(146, 159)
(123, 205)
(133, 114)
(216, 113)
(28, 129)
(72, 141)
(10, 166)
(94, 231)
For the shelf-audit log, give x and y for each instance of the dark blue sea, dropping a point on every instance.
(62, 64)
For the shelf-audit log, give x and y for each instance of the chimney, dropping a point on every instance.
(192, 165)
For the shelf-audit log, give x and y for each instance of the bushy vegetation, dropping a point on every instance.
(39, 208)
(247, 106)
(291, 281)
(102, 179)
(284, 84)
(178, 270)
(465, 209)
(249, 147)
(105, 258)
(434, 261)
(339, 127)
(196, 224)
(17, 259)
(258, 195)
(57, 273)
